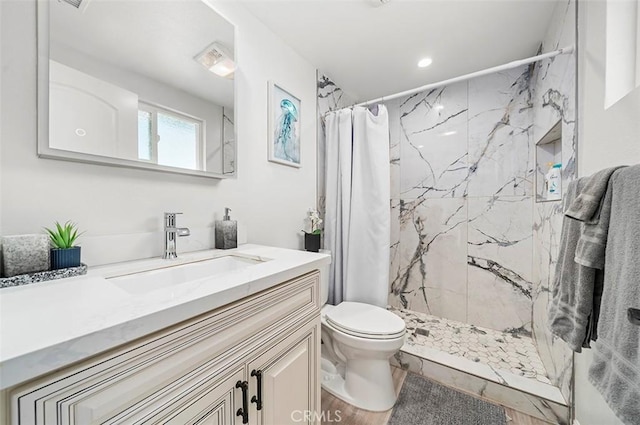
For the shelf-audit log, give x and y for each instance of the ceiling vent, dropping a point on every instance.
(81, 5)
(217, 60)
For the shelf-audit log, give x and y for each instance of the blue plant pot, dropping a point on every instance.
(65, 258)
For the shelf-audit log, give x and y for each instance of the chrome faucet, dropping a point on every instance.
(170, 234)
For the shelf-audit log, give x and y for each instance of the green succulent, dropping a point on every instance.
(63, 236)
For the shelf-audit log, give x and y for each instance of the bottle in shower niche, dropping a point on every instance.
(553, 180)
(226, 232)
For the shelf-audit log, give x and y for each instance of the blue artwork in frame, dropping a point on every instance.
(284, 126)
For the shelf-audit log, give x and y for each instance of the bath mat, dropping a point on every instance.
(424, 402)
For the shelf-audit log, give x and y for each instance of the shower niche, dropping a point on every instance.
(548, 155)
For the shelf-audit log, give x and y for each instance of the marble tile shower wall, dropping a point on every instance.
(554, 100)
(462, 164)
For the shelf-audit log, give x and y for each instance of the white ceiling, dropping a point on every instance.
(372, 50)
(157, 39)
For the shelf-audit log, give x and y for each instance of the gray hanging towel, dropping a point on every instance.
(593, 208)
(615, 370)
(571, 299)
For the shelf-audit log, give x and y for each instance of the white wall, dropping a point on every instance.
(121, 209)
(606, 138)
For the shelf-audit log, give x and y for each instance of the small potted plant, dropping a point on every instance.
(312, 231)
(64, 253)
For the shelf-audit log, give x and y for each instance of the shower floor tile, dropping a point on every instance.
(501, 351)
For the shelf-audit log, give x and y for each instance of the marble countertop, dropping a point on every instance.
(48, 325)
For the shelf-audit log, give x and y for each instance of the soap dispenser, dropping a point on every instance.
(226, 232)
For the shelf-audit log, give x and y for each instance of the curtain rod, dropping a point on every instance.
(510, 65)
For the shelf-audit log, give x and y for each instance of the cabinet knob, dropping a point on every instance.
(244, 410)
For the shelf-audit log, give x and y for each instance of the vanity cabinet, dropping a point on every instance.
(254, 361)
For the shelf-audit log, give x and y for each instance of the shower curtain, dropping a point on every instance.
(358, 217)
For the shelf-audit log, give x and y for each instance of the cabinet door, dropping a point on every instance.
(285, 379)
(216, 406)
(212, 401)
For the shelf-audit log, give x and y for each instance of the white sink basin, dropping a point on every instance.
(150, 280)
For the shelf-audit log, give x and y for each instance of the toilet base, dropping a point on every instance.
(373, 395)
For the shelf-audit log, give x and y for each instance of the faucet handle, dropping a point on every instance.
(170, 219)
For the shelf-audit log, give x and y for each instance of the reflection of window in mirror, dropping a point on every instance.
(167, 137)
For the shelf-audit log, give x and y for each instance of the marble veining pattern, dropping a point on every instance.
(394, 269)
(463, 247)
(554, 101)
(500, 127)
(393, 108)
(555, 85)
(499, 262)
(433, 139)
(502, 351)
(555, 354)
(431, 277)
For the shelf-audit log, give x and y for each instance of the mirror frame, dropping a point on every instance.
(45, 151)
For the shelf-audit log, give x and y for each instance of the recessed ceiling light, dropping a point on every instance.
(449, 133)
(438, 107)
(425, 62)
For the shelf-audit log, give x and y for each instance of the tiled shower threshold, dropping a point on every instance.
(501, 366)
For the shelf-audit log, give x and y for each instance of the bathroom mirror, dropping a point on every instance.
(142, 84)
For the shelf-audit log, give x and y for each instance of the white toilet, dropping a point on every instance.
(357, 342)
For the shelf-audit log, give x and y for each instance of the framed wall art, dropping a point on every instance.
(284, 126)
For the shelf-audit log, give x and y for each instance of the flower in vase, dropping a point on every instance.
(313, 222)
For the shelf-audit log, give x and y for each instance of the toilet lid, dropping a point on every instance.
(365, 320)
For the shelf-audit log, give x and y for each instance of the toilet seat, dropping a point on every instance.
(365, 321)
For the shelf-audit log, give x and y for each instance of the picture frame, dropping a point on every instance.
(283, 126)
